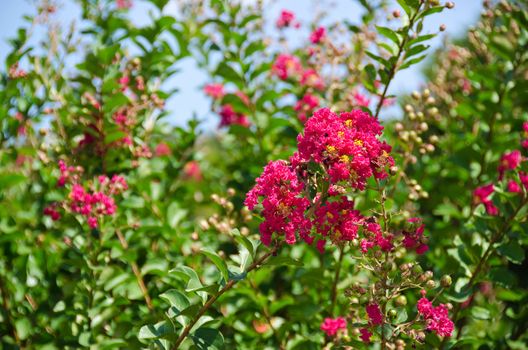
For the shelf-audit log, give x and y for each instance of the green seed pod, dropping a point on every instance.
(446, 281)
(401, 300)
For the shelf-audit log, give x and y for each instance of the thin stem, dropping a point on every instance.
(137, 272)
(483, 260)
(7, 315)
(393, 69)
(336, 279)
(267, 316)
(211, 301)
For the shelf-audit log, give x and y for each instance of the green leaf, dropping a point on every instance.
(283, 260)
(218, 261)
(412, 62)
(208, 339)
(228, 73)
(512, 251)
(502, 276)
(405, 7)
(176, 299)
(480, 313)
(401, 316)
(389, 33)
(415, 50)
(158, 330)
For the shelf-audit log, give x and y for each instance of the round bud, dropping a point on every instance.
(429, 274)
(354, 301)
(396, 13)
(442, 27)
(393, 313)
(446, 281)
(450, 4)
(230, 192)
(401, 300)
(426, 93)
(433, 139)
(393, 170)
(430, 284)
(449, 306)
(424, 126)
(416, 95)
(408, 108)
(398, 127)
(194, 236)
(417, 269)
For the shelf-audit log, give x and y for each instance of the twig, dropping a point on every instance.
(211, 301)
(137, 273)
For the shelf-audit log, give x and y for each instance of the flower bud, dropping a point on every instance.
(449, 5)
(396, 13)
(393, 170)
(430, 284)
(446, 281)
(417, 269)
(442, 27)
(401, 300)
(393, 313)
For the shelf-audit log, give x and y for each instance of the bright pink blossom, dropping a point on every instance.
(287, 19)
(365, 335)
(513, 186)
(332, 325)
(193, 171)
(361, 100)
(52, 212)
(124, 4)
(230, 117)
(347, 144)
(162, 149)
(338, 220)
(312, 79)
(374, 314)
(286, 66)
(436, 318)
(509, 161)
(281, 194)
(414, 236)
(318, 35)
(306, 105)
(481, 195)
(215, 90)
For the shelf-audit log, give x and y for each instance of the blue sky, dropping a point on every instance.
(191, 100)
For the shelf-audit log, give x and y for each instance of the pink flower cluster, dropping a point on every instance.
(524, 142)
(414, 236)
(333, 325)
(67, 173)
(347, 145)
(286, 66)
(374, 314)
(228, 116)
(436, 317)
(481, 195)
(348, 148)
(338, 221)
(306, 106)
(318, 35)
(214, 90)
(508, 163)
(283, 203)
(92, 204)
(124, 4)
(287, 19)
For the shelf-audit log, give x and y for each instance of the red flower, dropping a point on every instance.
(287, 19)
(436, 318)
(332, 325)
(318, 35)
(374, 313)
(509, 161)
(216, 91)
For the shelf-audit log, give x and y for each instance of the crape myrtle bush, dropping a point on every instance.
(307, 220)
